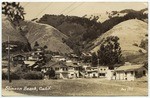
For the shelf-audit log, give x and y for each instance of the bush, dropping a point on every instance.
(140, 51)
(33, 75)
(4, 76)
(13, 76)
(135, 44)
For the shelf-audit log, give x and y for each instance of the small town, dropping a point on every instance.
(71, 66)
(74, 48)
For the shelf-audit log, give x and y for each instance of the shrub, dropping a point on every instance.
(135, 44)
(4, 76)
(140, 51)
(13, 76)
(33, 75)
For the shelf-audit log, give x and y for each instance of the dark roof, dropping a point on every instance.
(19, 55)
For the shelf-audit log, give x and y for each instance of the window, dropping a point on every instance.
(101, 74)
(64, 69)
(114, 74)
(19, 58)
(131, 72)
(56, 68)
(72, 74)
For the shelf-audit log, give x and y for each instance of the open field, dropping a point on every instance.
(77, 87)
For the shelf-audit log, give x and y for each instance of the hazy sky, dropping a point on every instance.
(38, 9)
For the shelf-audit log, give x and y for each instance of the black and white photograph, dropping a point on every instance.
(74, 49)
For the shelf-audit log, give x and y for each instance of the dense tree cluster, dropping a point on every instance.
(109, 52)
(14, 11)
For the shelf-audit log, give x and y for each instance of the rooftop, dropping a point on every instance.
(55, 64)
(129, 67)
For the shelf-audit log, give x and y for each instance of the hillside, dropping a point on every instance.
(83, 30)
(46, 35)
(101, 17)
(15, 37)
(9, 30)
(130, 32)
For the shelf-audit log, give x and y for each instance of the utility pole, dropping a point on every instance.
(98, 61)
(9, 78)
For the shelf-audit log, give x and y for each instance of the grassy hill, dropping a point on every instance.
(46, 35)
(8, 29)
(83, 30)
(15, 37)
(130, 32)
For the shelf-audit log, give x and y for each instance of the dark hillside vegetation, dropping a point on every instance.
(81, 31)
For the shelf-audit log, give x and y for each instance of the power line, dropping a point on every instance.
(75, 8)
(67, 7)
(43, 10)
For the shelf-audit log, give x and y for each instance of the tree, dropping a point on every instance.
(14, 11)
(77, 51)
(144, 44)
(51, 73)
(45, 47)
(110, 51)
(94, 59)
(36, 44)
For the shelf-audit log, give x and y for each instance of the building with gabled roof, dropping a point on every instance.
(130, 72)
(61, 70)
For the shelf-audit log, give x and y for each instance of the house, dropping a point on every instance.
(4, 66)
(73, 69)
(30, 64)
(12, 47)
(110, 75)
(73, 56)
(38, 53)
(102, 71)
(36, 56)
(61, 70)
(90, 72)
(18, 59)
(58, 58)
(130, 72)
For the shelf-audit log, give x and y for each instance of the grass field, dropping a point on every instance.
(80, 87)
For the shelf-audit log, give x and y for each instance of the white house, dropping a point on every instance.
(58, 58)
(102, 71)
(61, 70)
(110, 75)
(91, 72)
(130, 72)
(73, 70)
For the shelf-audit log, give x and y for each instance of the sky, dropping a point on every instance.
(38, 9)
